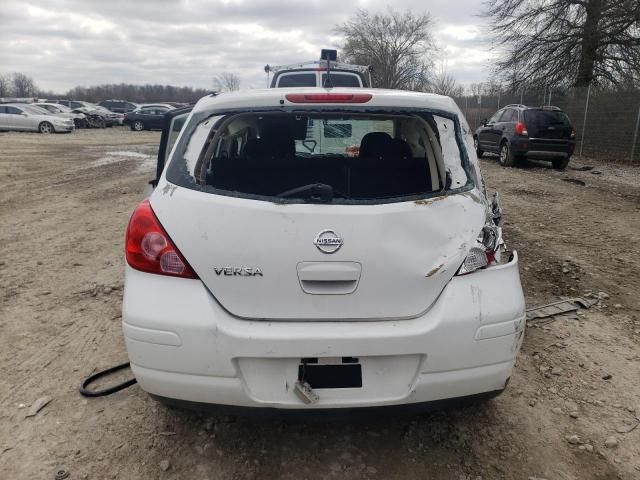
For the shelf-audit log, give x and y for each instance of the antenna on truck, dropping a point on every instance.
(329, 56)
(267, 69)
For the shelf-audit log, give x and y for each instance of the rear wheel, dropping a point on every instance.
(561, 163)
(45, 128)
(505, 156)
(476, 145)
(138, 126)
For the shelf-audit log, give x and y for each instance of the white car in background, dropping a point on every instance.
(313, 248)
(24, 117)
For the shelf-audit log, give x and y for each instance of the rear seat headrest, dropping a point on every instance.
(375, 145)
(269, 152)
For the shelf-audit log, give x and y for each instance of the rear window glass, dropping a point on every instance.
(342, 80)
(297, 80)
(545, 118)
(331, 157)
(547, 123)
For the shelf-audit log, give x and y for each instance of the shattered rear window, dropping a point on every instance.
(346, 157)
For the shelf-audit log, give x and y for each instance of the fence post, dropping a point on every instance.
(635, 137)
(584, 121)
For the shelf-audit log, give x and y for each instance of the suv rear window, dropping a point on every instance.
(539, 121)
(297, 80)
(356, 157)
(342, 80)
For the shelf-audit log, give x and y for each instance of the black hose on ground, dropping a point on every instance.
(107, 391)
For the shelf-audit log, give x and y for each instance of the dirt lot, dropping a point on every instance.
(64, 204)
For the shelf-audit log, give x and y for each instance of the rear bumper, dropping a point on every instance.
(545, 155)
(543, 149)
(64, 128)
(182, 345)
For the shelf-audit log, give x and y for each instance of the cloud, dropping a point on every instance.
(65, 43)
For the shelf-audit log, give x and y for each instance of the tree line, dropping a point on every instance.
(21, 85)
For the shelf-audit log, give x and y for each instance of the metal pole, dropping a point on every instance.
(549, 95)
(521, 93)
(498, 100)
(635, 137)
(584, 121)
(466, 107)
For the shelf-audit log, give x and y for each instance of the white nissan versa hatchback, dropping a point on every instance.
(312, 248)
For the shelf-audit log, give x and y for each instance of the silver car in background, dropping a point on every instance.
(79, 119)
(23, 117)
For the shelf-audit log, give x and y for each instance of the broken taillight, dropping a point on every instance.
(521, 129)
(484, 252)
(328, 97)
(149, 249)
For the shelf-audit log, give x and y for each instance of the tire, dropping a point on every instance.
(476, 145)
(505, 155)
(46, 128)
(560, 163)
(137, 126)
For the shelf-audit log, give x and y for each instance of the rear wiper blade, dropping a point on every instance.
(320, 192)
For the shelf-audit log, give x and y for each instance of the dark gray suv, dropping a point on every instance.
(118, 106)
(517, 132)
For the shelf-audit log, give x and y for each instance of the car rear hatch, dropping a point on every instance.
(549, 130)
(379, 238)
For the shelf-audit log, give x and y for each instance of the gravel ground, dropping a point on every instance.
(568, 412)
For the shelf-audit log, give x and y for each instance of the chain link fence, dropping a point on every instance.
(607, 123)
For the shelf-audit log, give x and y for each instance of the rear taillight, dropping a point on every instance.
(149, 249)
(484, 252)
(573, 132)
(328, 97)
(521, 129)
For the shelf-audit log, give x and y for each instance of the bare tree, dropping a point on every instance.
(445, 84)
(226, 82)
(476, 89)
(23, 85)
(566, 42)
(5, 85)
(398, 46)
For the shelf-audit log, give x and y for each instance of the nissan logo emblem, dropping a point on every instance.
(327, 241)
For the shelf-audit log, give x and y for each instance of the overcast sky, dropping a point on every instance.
(65, 43)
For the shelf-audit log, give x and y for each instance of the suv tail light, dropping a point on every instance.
(521, 129)
(329, 97)
(573, 132)
(149, 249)
(484, 252)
